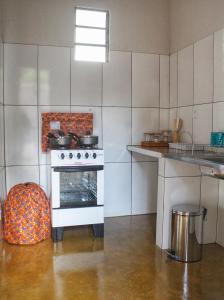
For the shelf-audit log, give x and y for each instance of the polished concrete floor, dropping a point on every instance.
(125, 265)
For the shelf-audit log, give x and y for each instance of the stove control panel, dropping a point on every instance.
(77, 157)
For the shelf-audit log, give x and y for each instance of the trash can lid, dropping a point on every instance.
(188, 210)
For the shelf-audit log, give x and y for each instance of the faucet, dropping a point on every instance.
(190, 135)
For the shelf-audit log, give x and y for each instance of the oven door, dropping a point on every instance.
(77, 186)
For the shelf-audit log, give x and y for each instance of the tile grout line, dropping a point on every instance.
(177, 70)
(4, 127)
(131, 138)
(72, 46)
(213, 78)
(70, 78)
(193, 111)
(159, 94)
(101, 107)
(38, 116)
(83, 105)
(169, 95)
(198, 104)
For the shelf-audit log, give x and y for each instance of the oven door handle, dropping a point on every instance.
(78, 169)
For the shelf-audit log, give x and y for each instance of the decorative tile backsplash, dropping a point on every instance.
(79, 123)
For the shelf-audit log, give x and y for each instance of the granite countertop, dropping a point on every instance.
(202, 158)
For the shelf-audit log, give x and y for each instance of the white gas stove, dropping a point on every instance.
(77, 190)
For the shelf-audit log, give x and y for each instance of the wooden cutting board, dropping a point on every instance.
(155, 144)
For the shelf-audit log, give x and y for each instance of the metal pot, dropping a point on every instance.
(85, 140)
(59, 141)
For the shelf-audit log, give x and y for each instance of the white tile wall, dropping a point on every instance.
(45, 179)
(161, 168)
(209, 200)
(2, 185)
(186, 114)
(173, 80)
(218, 66)
(145, 80)
(138, 157)
(144, 187)
(104, 90)
(21, 89)
(21, 174)
(116, 134)
(54, 76)
(20, 74)
(207, 116)
(22, 59)
(117, 189)
(164, 119)
(86, 83)
(218, 120)
(177, 168)
(185, 76)
(97, 119)
(1, 73)
(164, 81)
(202, 123)
(203, 71)
(143, 120)
(2, 142)
(172, 117)
(2, 161)
(117, 80)
(21, 135)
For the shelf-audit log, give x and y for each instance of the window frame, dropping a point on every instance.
(106, 29)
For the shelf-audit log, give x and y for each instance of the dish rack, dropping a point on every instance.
(214, 149)
(187, 147)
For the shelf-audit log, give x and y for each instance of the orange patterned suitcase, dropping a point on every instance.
(26, 215)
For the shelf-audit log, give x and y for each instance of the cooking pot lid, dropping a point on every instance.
(188, 210)
(88, 136)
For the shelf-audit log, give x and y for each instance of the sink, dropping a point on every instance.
(187, 147)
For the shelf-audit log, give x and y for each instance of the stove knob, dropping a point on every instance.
(94, 155)
(78, 155)
(86, 155)
(70, 155)
(62, 156)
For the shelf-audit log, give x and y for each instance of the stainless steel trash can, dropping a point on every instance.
(187, 233)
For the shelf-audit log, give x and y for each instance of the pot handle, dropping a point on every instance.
(74, 136)
(51, 136)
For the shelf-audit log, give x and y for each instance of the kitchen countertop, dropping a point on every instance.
(202, 158)
(153, 151)
(186, 183)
